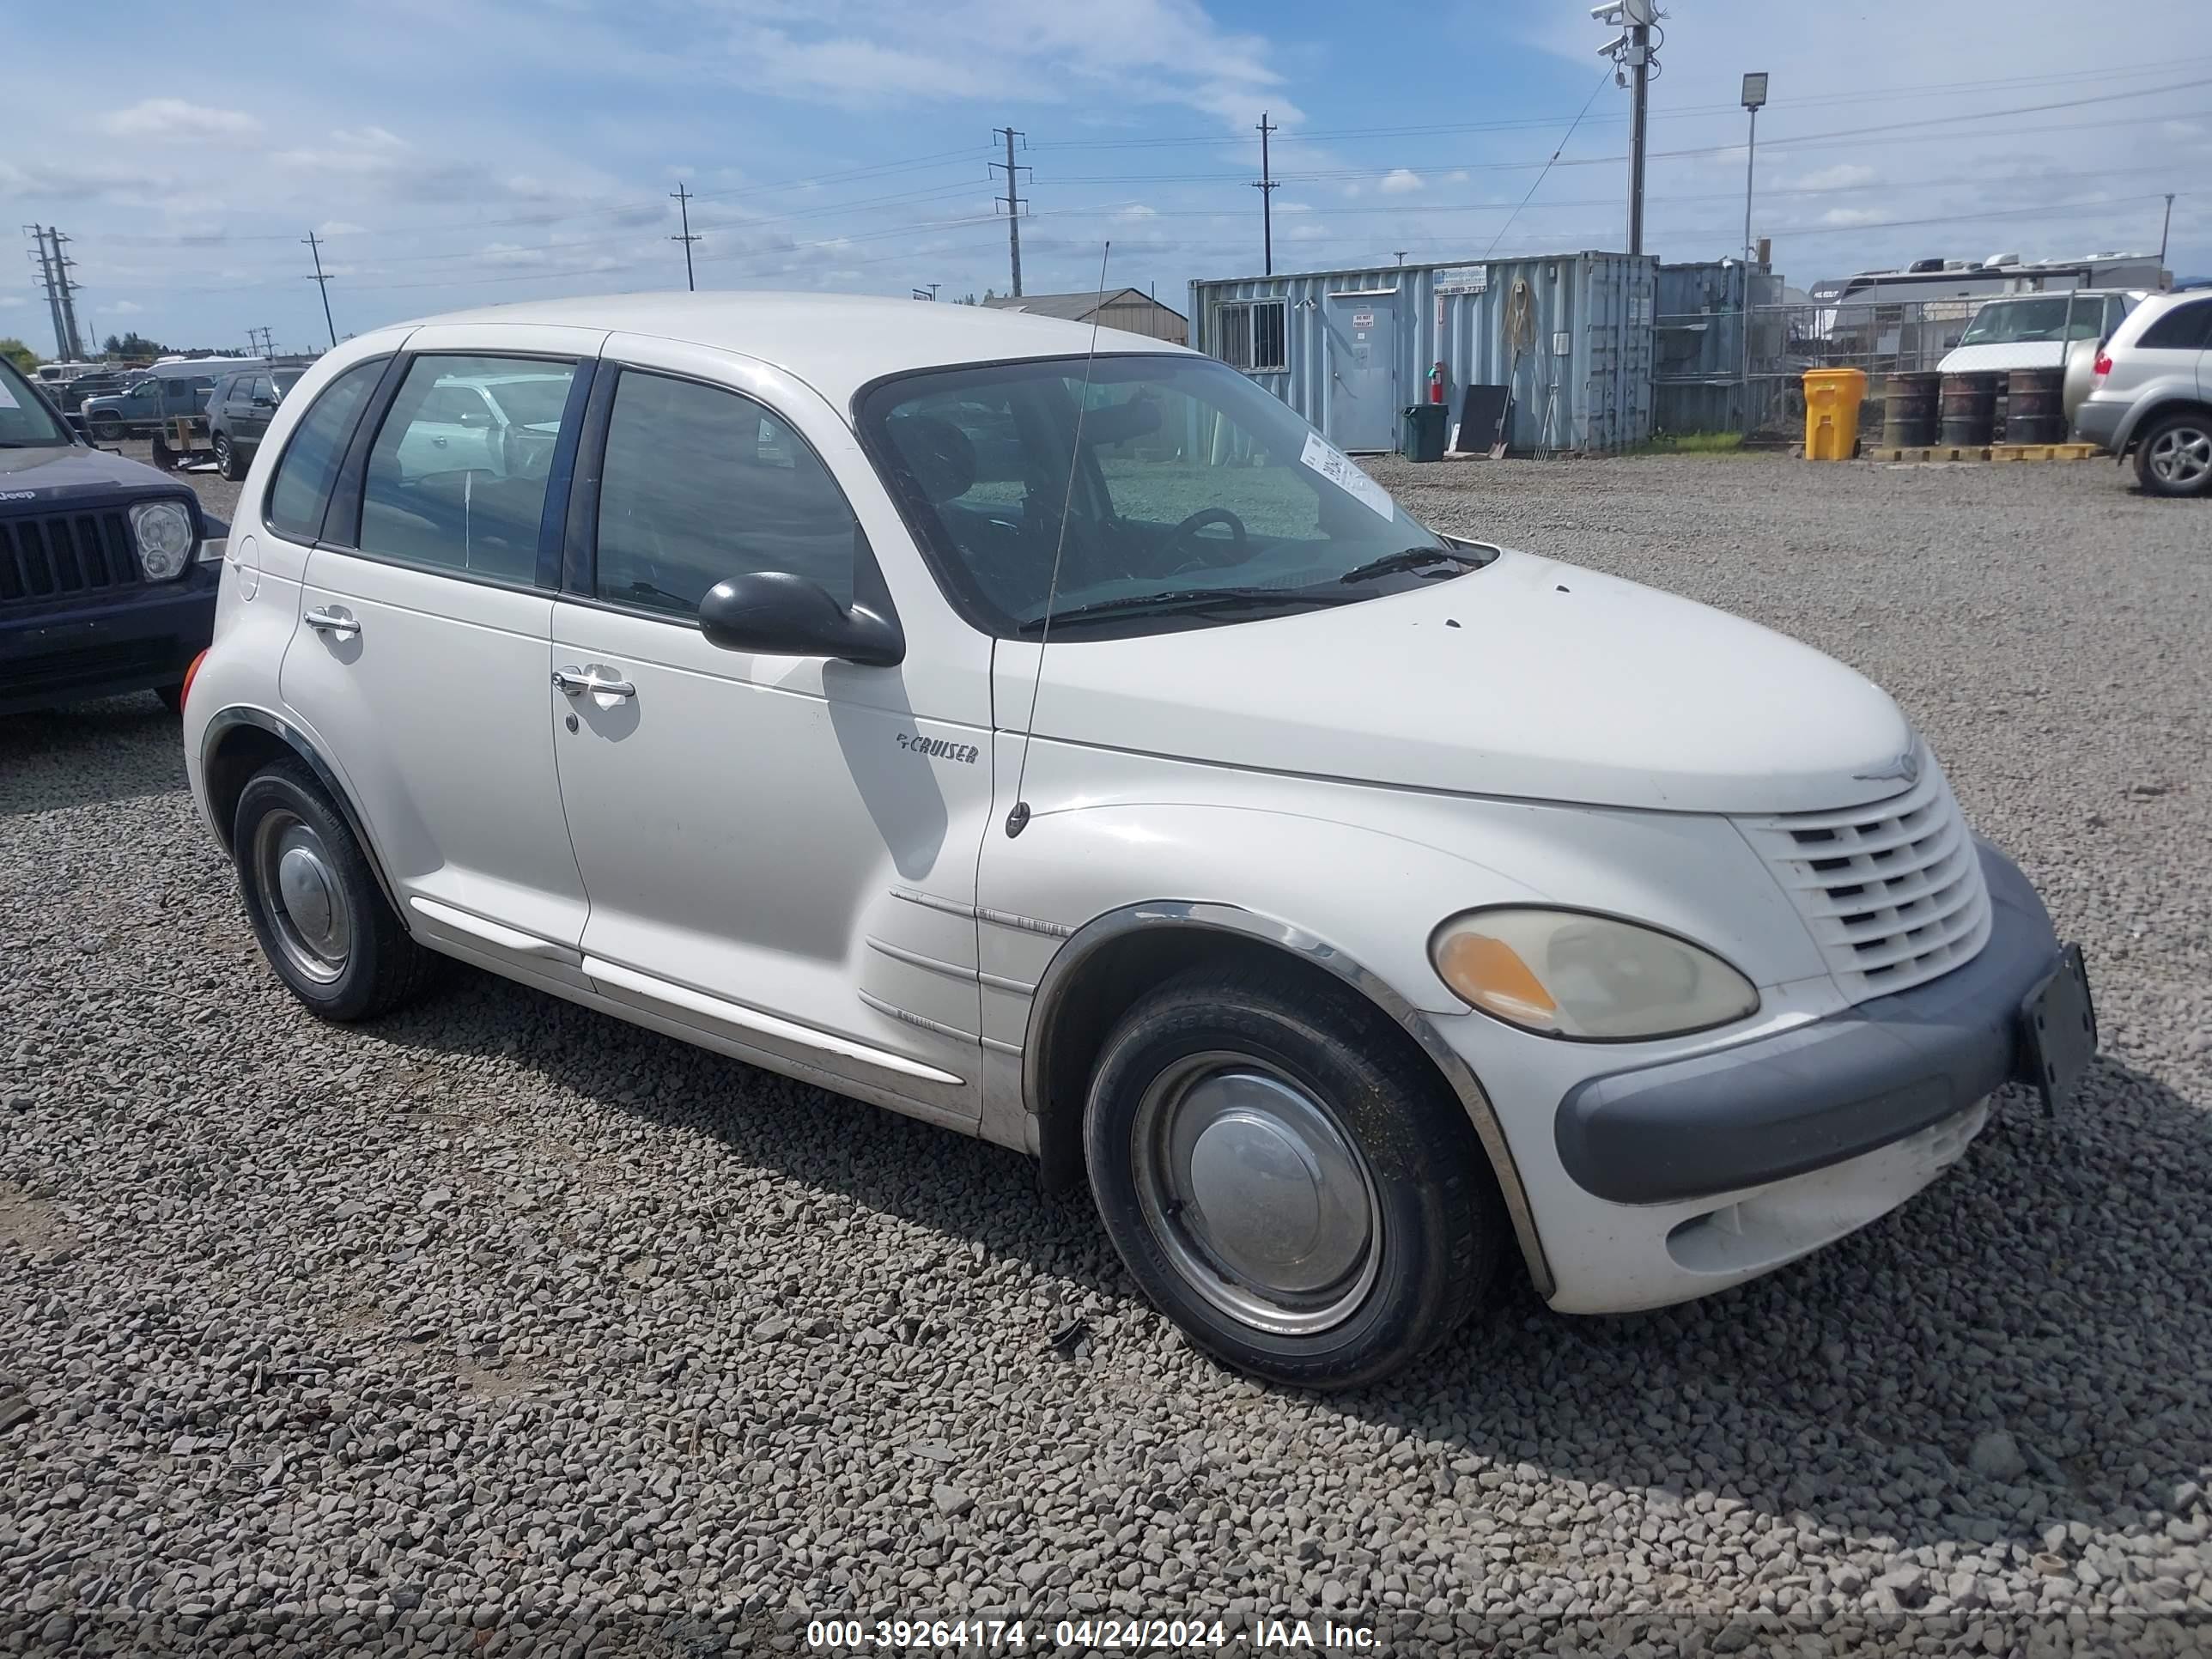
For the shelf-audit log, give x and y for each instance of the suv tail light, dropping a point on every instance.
(2103, 363)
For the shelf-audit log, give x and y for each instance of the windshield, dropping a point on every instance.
(1190, 482)
(537, 401)
(24, 421)
(2054, 317)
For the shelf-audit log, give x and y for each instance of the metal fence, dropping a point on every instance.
(1712, 378)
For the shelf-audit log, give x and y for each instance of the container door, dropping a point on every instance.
(1362, 407)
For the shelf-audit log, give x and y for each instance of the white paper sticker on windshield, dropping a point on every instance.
(1336, 466)
(7, 397)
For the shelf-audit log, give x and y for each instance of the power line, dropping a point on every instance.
(1556, 153)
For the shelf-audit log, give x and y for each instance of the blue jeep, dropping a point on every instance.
(108, 568)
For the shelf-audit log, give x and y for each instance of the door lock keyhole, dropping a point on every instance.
(572, 722)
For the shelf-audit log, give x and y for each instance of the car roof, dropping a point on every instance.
(836, 342)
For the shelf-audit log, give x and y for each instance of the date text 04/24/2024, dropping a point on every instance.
(1090, 1635)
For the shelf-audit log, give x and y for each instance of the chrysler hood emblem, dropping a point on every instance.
(1906, 768)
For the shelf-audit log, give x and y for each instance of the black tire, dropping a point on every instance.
(108, 429)
(227, 460)
(172, 696)
(162, 455)
(383, 967)
(2174, 455)
(1441, 1228)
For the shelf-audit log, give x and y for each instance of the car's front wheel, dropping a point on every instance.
(1287, 1178)
(322, 921)
(106, 427)
(2175, 456)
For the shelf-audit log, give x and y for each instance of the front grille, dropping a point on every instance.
(65, 556)
(1893, 891)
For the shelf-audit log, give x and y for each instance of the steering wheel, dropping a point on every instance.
(1206, 515)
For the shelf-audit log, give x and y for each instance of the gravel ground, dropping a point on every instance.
(503, 1323)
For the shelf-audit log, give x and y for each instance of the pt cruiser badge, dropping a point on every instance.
(937, 748)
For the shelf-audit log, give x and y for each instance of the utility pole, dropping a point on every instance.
(1265, 184)
(38, 235)
(1013, 203)
(1401, 253)
(1631, 51)
(682, 199)
(67, 290)
(259, 338)
(2165, 227)
(323, 283)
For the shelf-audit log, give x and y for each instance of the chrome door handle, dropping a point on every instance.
(332, 621)
(575, 682)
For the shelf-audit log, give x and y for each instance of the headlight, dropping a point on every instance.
(164, 533)
(1568, 975)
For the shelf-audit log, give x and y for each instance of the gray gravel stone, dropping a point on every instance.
(1995, 1457)
(690, 1350)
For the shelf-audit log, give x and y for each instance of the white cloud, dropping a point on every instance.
(1844, 175)
(1138, 210)
(173, 118)
(1846, 217)
(339, 228)
(124, 308)
(1399, 181)
(1457, 176)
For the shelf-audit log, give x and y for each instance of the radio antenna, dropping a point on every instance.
(1019, 817)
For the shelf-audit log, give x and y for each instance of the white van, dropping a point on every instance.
(1043, 732)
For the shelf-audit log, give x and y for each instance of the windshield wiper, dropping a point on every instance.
(1183, 599)
(1410, 558)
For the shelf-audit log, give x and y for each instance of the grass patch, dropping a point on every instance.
(1690, 443)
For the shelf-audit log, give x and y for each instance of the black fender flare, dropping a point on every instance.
(226, 720)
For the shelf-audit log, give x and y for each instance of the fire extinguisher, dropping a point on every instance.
(1436, 384)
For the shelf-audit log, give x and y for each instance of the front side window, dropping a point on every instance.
(702, 484)
(1252, 336)
(1171, 490)
(25, 421)
(301, 489)
(449, 489)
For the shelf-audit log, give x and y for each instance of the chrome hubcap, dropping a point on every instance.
(1256, 1193)
(302, 896)
(2183, 456)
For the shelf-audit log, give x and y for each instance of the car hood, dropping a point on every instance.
(68, 471)
(2003, 359)
(1529, 678)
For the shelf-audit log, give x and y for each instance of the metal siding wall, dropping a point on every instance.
(1153, 321)
(1597, 397)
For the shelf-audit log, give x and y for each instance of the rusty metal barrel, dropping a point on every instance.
(1969, 408)
(2034, 406)
(1908, 408)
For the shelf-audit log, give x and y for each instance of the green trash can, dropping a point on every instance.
(1421, 432)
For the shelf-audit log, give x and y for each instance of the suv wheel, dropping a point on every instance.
(227, 460)
(320, 917)
(1287, 1179)
(2175, 456)
(106, 427)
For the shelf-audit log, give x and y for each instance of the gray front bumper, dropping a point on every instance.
(1803, 1099)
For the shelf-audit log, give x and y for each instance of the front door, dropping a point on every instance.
(780, 851)
(422, 661)
(1362, 411)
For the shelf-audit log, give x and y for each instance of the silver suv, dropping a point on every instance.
(2151, 394)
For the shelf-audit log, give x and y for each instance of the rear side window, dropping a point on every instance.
(702, 484)
(451, 488)
(2185, 328)
(301, 489)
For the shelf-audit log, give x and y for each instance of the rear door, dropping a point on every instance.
(423, 656)
(252, 401)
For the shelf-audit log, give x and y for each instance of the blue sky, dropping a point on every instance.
(464, 152)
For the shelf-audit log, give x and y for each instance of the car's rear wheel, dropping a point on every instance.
(1287, 1178)
(106, 427)
(2175, 456)
(322, 921)
(227, 458)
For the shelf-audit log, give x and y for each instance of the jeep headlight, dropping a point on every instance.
(163, 531)
(1568, 974)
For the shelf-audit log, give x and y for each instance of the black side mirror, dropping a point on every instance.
(778, 614)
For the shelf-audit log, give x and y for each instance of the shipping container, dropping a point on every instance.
(1702, 378)
(1571, 334)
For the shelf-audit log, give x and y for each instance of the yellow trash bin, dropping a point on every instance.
(1832, 396)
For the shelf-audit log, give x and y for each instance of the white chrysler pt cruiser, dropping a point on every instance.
(1045, 732)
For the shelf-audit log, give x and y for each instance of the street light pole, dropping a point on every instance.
(1754, 96)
